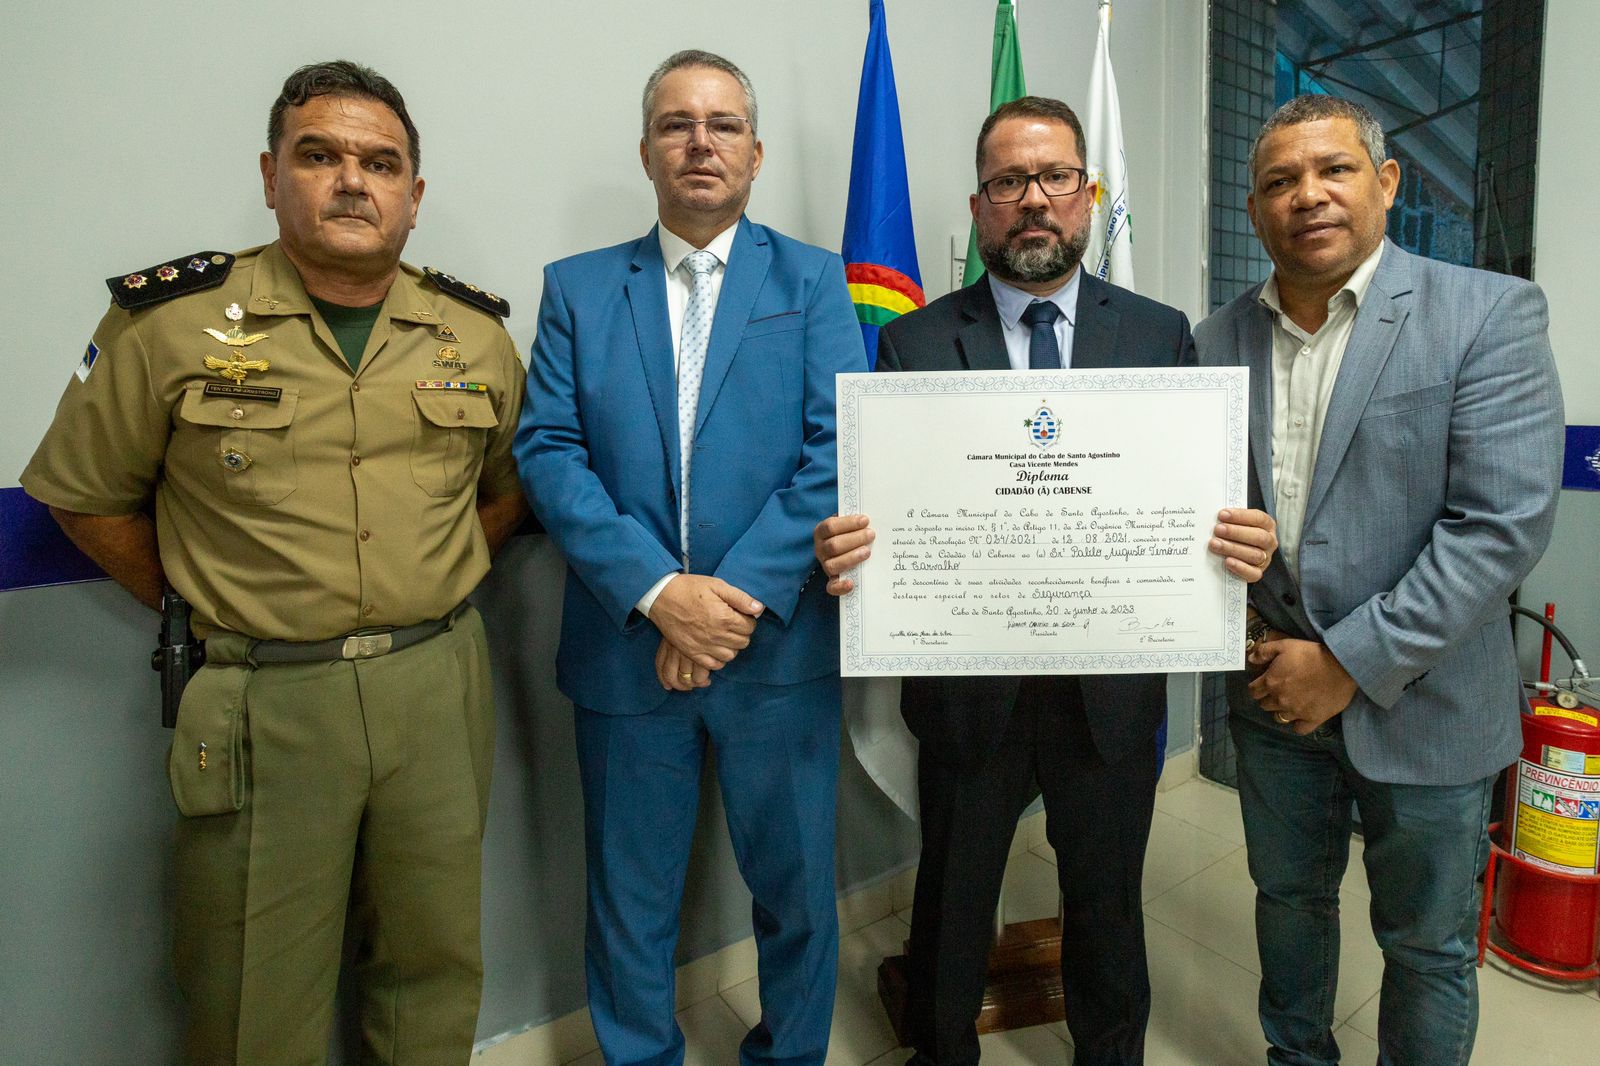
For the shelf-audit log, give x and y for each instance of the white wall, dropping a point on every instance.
(132, 134)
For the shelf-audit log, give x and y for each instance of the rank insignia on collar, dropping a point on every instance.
(134, 281)
(236, 366)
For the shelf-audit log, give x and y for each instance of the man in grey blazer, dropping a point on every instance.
(1406, 433)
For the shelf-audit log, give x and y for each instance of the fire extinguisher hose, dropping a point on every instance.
(1578, 669)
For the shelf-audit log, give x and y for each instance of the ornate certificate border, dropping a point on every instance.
(1231, 382)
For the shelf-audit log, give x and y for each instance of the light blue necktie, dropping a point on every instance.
(692, 345)
(1043, 351)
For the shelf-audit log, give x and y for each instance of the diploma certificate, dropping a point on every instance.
(1042, 521)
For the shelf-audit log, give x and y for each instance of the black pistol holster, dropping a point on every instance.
(178, 656)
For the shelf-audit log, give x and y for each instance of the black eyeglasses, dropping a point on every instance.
(1058, 181)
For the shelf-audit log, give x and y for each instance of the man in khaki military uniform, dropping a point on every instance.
(325, 435)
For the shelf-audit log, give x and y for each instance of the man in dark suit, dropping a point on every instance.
(678, 446)
(988, 745)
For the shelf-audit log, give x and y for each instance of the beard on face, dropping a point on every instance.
(1038, 259)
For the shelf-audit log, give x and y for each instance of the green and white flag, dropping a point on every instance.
(1005, 85)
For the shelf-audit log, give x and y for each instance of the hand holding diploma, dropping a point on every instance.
(1245, 538)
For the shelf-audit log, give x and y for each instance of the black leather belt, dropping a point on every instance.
(362, 644)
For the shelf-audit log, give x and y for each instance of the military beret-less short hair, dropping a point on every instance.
(694, 57)
(1044, 107)
(1314, 107)
(340, 77)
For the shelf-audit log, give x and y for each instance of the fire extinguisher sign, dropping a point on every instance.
(1557, 822)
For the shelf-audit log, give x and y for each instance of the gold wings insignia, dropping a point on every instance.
(236, 368)
(213, 363)
(235, 338)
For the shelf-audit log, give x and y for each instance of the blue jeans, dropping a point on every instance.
(1425, 846)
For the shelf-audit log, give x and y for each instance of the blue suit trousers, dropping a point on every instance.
(777, 759)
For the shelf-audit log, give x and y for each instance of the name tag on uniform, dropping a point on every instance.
(459, 386)
(243, 392)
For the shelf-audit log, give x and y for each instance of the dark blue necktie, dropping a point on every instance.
(1043, 351)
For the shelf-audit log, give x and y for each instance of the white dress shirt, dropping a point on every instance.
(680, 280)
(1012, 301)
(1304, 368)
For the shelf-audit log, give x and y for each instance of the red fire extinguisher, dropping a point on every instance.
(1546, 899)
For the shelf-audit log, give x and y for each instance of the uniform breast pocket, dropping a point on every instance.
(447, 450)
(249, 442)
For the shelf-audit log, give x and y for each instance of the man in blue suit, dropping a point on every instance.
(678, 445)
(1406, 432)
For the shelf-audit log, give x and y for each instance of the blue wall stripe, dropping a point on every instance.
(33, 550)
(1582, 467)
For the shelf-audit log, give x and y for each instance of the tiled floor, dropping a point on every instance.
(1198, 904)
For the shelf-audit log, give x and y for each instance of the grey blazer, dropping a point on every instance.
(1433, 495)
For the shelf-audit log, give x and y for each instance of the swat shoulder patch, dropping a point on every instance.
(191, 273)
(491, 303)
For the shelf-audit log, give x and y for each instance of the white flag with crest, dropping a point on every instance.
(1110, 253)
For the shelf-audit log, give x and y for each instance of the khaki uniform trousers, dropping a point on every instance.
(358, 785)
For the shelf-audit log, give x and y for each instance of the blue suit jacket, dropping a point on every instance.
(597, 448)
(1433, 495)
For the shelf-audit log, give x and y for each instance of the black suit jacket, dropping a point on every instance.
(961, 719)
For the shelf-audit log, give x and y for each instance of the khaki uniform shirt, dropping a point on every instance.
(348, 501)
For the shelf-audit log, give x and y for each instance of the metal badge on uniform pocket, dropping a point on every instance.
(205, 765)
(235, 460)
